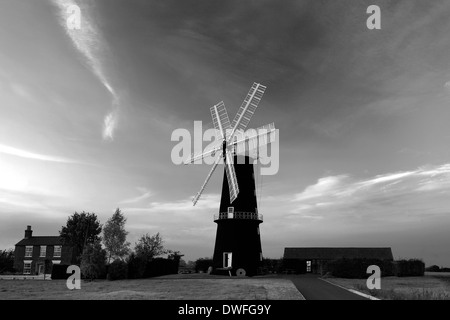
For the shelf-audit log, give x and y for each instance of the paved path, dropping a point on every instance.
(312, 288)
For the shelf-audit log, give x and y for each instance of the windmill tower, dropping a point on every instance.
(238, 243)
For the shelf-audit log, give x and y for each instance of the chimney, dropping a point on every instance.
(28, 232)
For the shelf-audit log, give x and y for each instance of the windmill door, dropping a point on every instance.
(227, 258)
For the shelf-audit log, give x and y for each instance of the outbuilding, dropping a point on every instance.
(315, 259)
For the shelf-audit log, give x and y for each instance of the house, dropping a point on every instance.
(315, 259)
(32, 253)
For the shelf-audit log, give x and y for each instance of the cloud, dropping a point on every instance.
(109, 125)
(145, 195)
(391, 196)
(207, 202)
(90, 43)
(22, 91)
(35, 156)
(328, 185)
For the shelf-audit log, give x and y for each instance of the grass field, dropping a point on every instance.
(432, 286)
(177, 287)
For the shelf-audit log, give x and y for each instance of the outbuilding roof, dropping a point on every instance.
(330, 253)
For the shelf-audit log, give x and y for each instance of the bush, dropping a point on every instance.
(136, 267)
(433, 268)
(357, 268)
(59, 271)
(117, 270)
(409, 268)
(203, 264)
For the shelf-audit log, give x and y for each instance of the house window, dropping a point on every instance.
(57, 252)
(28, 251)
(27, 267)
(43, 251)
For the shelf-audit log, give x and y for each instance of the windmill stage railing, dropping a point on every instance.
(238, 215)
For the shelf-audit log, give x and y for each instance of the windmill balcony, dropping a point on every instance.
(238, 215)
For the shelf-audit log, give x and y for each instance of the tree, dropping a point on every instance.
(93, 261)
(6, 260)
(149, 247)
(114, 236)
(82, 229)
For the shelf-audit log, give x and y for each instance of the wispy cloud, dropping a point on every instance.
(145, 194)
(399, 193)
(31, 155)
(90, 43)
(208, 201)
(110, 124)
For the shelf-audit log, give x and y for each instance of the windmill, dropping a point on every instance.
(238, 244)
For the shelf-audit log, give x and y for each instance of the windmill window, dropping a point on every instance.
(230, 212)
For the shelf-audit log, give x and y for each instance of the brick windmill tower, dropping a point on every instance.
(238, 243)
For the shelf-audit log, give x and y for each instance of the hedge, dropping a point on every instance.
(59, 271)
(357, 268)
(117, 270)
(136, 267)
(139, 268)
(160, 267)
(409, 268)
(203, 264)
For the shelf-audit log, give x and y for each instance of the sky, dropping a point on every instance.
(86, 118)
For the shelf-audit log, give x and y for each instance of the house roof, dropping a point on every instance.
(330, 253)
(41, 241)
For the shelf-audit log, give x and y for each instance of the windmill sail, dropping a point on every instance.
(261, 137)
(220, 119)
(232, 138)
(231, 177)
(248, 107)
(199, 156)
(197, 196)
